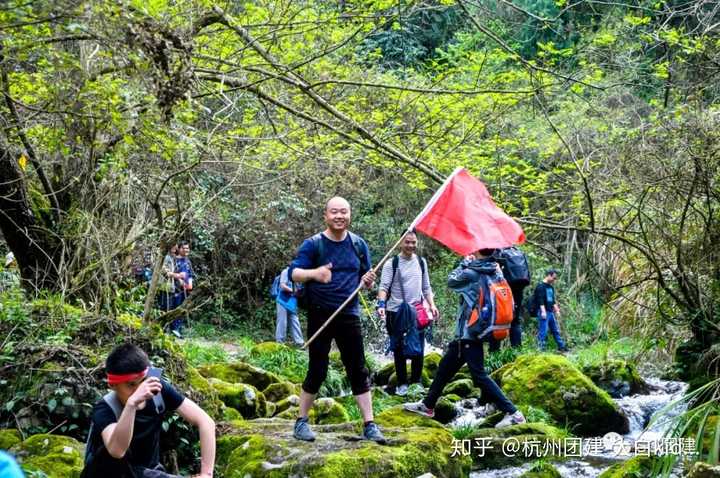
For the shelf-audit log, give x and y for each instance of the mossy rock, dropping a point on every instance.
(445, 411)
(266, 448)
(493, 439)
(424, 379)
(242, 397)
(328, 411)
(542, 470)
(325, 411)
(400, 418)
(201, 388)
(382, 376)
(278, 391)
(54, 455)
(431, 362)
(635, 467)
(9, 438)
(616, 377)
(463, 387)
(703, 470)
(552, 383)
(452, 398)
(229, 414)
(289, 402)
(240, 372)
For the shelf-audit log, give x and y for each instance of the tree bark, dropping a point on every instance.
(35, 249)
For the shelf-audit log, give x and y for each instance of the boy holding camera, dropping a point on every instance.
(124, 438)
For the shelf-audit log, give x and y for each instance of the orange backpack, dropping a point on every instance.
(493, 312)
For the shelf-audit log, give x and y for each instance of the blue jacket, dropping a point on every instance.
(465, 281)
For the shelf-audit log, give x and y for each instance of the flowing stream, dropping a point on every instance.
(639, 409)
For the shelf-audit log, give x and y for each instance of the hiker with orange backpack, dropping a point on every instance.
(485, 310)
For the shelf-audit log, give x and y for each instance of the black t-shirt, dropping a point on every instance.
(145, 445)
(545, 295)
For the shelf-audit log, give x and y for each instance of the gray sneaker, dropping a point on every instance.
(372, 432)
(302, 430)
(511, 419)
(420, 409)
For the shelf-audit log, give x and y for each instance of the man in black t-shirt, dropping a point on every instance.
(124, 439)
(548, 311)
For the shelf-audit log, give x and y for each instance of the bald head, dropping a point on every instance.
(337, 202)
(337, 215)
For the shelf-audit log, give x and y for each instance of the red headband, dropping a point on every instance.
(114, 379)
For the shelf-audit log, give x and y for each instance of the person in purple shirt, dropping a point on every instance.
(331, 265)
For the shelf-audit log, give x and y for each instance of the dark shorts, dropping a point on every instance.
(345, 329)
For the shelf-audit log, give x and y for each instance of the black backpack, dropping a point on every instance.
(515, 267)
(319, 259)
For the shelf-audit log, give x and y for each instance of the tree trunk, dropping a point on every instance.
(34, 246)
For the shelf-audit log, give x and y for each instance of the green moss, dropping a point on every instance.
(9, 438)
(445, 410)
(410, 452)
(542, 470)
(635, 467)
(277, 391)
(463, 387)
(240, 372)
(397, 417)
(229, 414)
(617, 377)
(452, 398)
(284, 404)
(382, 376)
(55, 455)
(431, 362)
(328, 411)
(552, 383)
(242, 397)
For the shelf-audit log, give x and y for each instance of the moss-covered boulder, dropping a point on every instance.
(542, 470)
(445, 410)
(266, 448)
(278, 391)
(397, 417)
(463, 387)
(552, 383)
(325, 411)
(634, 467)
(493, 455)
(284, 404)
(54, 455)
(452, 398)
(240, 372)
(424, 379)
(703, 470)
(382, 376)
(242, 397)
(431, 362)
(616, 377)
(9, 438)
(328, 411)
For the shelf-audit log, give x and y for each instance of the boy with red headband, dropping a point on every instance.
(124, 439)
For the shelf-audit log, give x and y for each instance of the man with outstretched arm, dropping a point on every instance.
(332, 264)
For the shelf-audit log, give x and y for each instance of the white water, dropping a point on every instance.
(638, 408)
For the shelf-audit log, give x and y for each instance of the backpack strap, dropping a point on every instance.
(114, 403)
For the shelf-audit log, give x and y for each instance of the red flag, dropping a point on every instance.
(463, 216)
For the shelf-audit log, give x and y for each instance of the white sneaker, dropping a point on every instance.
(420, 409)
(511, 419)
(401, 390)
